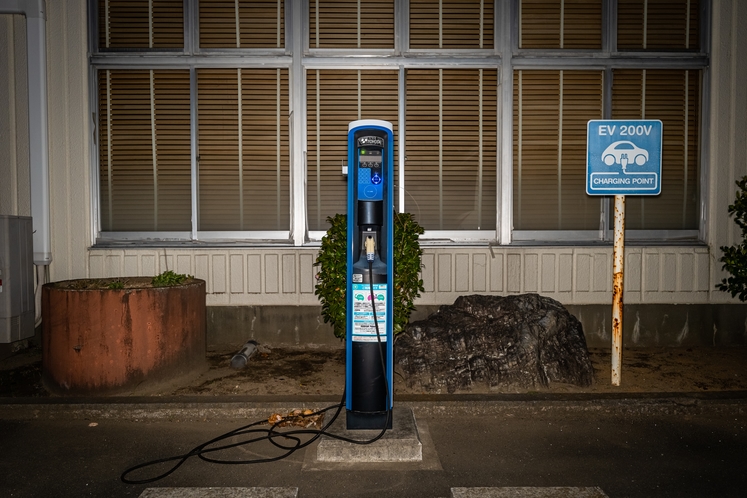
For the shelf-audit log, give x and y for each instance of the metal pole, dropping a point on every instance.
(618, 256)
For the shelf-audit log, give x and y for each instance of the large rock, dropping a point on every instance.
(507, 343)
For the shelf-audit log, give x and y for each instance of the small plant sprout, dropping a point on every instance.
(169, 278)
(115, 285)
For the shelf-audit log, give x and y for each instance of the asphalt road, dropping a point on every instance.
(626, 456)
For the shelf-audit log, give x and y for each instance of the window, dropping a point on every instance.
(658, 25)
(351, 24)
(216, 121)
(232, 24)
(195, 150)
(144, 153)
(551, 108)
(561, 24)
(554, 97)
(141, 24)
(334, 98)
(243, 149)
(673, 96)
(451, 24)
(451, 126)
(446, 174)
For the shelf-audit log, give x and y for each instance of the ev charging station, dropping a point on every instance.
(369, 379)
(370, 270)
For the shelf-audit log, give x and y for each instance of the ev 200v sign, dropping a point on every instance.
(623, 157)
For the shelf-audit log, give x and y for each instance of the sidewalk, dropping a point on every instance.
(676, 427)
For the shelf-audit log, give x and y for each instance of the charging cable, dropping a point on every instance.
(289, 441)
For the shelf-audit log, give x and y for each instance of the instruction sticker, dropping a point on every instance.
(364, 327)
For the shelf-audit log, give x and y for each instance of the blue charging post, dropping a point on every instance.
(369, 337)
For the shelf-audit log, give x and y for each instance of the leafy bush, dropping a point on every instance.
(332, 262)
(735, 257)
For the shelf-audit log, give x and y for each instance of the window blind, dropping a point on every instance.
(334, 98)
(351, 24)
(560, 24)
(450, 24)
(144, 150)
(658, 25)
(551, 109)
(141, 24)
(242, 24)
(451, 132)
(673, 96)
(244, 177)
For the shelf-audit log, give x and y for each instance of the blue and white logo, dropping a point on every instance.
(623, 157)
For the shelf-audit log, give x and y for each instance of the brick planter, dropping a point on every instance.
(104, 341)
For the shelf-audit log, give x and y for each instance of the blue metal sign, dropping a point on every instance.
(623, 157)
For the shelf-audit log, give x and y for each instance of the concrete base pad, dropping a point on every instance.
(220, 493)
(528, 492)
(399, 444)
(419, 434)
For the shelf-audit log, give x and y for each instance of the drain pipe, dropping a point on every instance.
(36, 50)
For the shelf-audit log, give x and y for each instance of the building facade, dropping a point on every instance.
(208, 138)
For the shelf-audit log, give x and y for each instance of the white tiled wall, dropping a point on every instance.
(572, 275)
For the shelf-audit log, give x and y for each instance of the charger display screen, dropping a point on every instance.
(369, 157)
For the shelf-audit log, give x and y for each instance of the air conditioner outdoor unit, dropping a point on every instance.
(16, 278)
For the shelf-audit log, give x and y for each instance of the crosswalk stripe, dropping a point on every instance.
(220, 493)
(528, 492)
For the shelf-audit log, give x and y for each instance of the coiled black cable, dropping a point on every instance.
(203, 450)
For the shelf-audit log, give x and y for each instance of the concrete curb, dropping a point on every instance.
(261, 407)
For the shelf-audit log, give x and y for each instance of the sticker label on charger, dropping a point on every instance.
(364, 327)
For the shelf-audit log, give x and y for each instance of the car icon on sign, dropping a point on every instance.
(624, 152)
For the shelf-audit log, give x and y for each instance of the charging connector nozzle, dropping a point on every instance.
(370, 248)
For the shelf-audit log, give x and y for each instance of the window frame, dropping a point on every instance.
(298, 58)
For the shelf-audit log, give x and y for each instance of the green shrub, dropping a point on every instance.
(735, 257)
(332, 262)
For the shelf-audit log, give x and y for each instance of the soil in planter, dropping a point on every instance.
(107, 283)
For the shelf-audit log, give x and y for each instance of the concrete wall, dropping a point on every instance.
(272, 276)
(646, 325)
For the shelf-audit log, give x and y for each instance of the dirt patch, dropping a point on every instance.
(20, 375)
(673, 370)
(291, 372)
(275, 371)
(322, 371)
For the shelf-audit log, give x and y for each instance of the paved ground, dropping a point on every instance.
(646, 438)
(658, 455)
